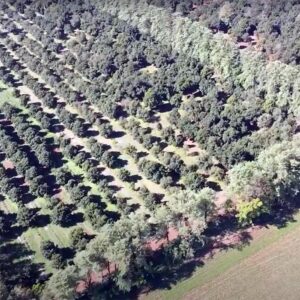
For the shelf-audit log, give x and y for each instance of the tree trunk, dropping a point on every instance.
(88, 280)
(108, 267)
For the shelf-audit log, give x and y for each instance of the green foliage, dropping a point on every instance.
(194, 181)
(26, 216)
(61, 285)
(192, 206)
(247, 211)
(273, 178)
(124, 175)
(125, 60)
(58, 261)
(37, 289)
(61, 214)
(48, 249)
(78, 239)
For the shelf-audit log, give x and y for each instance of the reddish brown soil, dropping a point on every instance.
(7, 164)
(95, 277)
(193, 147)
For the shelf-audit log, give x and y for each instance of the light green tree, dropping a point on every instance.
(273, 177)
(247, 211)
(192, 207)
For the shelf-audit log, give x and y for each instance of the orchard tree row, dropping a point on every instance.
(217, 120)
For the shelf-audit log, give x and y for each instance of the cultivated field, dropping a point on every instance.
(267, 268)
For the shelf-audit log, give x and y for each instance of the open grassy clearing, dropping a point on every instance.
(267, 268)
(6, 95)
(8, 206)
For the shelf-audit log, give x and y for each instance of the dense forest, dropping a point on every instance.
(122, 126)
(270, 27)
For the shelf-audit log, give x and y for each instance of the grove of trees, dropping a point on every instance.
(122, 123)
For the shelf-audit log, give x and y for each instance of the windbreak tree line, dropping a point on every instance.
(245, 21)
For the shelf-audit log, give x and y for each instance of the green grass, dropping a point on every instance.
(7, 96)
(33, 237)
(225, 261)
(8, 206)
(94, 188)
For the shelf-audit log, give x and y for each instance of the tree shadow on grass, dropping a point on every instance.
(221, 226)
(19, 267)
(67, 252)
(213, 185)
(135, 178)
(74, 219)
(280, 219)
(174, 275)
(117, 134)
(2, 156)
(56, 128)
(42, 220)
(27, 198)
(11, 172)
(51, 181)
(114, 188)
(19, 182)
(17, 250)
(15, 232)
(107, 178)
(12, 231)
(92, 133)
(119, 163)
(165, 107)
(142, 154)
(165, 280)
(112, 215)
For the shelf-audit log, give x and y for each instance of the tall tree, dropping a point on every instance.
(62, 285)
